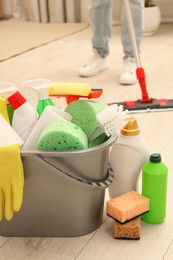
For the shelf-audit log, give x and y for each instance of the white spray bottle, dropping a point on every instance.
(24, 115)
(127, 157)
(41, 86)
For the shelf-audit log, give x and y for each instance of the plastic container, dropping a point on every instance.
(154, 186)
(127, 157)
(42, 103)
(8, 135)
(24, 116)
(41, 86)
(49, 114)
(63, 193)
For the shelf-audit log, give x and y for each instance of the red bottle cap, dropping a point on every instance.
(16, 100)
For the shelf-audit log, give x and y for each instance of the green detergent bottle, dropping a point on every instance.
(154, 186)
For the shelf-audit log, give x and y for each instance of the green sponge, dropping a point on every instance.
(84, 112)
(61, 135)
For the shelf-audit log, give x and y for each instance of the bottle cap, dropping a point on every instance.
(131, 128)
(155, 158)
(16, 100)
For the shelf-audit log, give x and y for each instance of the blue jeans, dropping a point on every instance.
(100, 18)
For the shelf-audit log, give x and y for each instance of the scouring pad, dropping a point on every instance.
(84, 112)
(61, 135)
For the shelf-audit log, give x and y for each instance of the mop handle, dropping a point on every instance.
(139, 71)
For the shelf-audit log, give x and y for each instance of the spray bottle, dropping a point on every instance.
(127, 157)
(24, 116)
(41, 86)
(7, 89)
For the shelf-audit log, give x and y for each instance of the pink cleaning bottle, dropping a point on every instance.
(24, 116)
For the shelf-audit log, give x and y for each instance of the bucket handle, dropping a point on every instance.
(93, 184)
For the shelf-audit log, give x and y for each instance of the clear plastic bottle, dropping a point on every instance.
(154, 186)
(24, 116)
(127, 157)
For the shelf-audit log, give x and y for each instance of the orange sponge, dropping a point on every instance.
(129, 230)
(127, 206)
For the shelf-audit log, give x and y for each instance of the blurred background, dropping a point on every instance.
(67, 11)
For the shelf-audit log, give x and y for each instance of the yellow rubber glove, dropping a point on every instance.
(11, 180)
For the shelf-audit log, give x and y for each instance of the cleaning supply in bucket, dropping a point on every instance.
(3, 109)
(41, 86)
(74, 91)
(8, 135)
(154, 186)
(127, 157)
(69, 88)
(11, 180)
(50, 113)
(83, 114)
(24, 116)
(111, 120)
(6, 90)
(61, 135)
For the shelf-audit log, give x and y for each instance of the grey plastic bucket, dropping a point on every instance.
(63, 193)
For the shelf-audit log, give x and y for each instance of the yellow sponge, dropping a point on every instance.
(69, 88)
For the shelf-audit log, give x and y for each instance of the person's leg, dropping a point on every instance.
(137, 8)
(100, 18)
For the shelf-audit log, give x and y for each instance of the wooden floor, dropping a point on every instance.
(60, 61)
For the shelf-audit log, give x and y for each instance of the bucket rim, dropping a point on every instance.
(81, 152)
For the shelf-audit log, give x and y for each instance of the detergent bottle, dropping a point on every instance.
(7, 89)
(154, 186)
(24, 116)
(127, 156)
(41, 86)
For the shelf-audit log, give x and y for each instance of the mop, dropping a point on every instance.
(145, 104)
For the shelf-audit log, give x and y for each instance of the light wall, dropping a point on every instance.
(166, 7)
